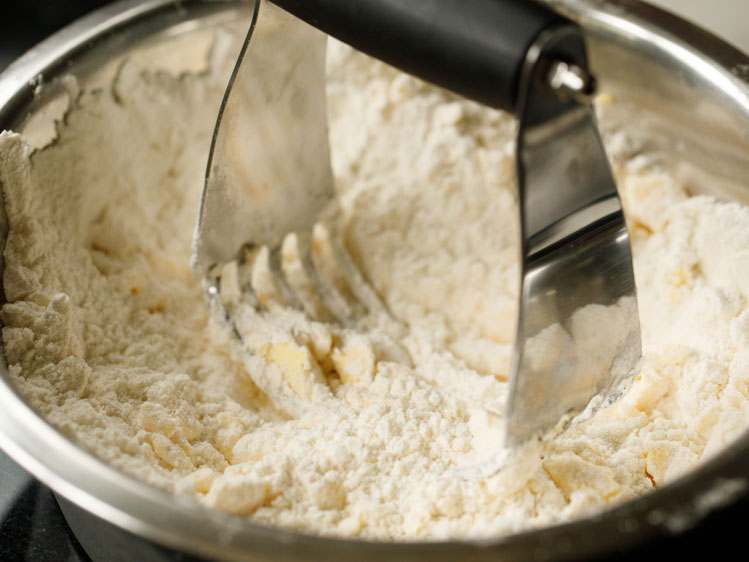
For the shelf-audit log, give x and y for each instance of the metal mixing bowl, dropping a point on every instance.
(680, 93)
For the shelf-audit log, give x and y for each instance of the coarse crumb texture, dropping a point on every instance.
(382, 431)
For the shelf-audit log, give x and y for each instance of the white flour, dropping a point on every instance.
(107, 334)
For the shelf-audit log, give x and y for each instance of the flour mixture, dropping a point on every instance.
(107, 333)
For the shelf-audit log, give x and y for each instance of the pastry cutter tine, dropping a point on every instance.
(269, 189)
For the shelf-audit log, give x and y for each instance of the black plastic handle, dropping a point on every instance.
(475, 48)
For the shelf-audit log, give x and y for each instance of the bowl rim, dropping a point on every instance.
(144, 510)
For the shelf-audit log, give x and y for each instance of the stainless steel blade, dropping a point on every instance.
(269, 170)
(578, 330)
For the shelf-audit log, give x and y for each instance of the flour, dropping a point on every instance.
(376, 431)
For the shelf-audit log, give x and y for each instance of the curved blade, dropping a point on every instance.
(578, 330)
(269, 169)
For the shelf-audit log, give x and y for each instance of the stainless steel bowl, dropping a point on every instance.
(681, 93)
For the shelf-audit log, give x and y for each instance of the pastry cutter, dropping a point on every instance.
(267, 236)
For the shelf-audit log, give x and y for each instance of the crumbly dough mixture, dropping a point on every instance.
(107, 333)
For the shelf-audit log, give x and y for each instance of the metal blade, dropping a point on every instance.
(578, 330)
(269, 170)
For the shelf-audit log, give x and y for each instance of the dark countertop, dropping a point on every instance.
(32, 527)
(26, 22)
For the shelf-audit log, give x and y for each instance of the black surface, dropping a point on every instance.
(26, 22)
(32, 527)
